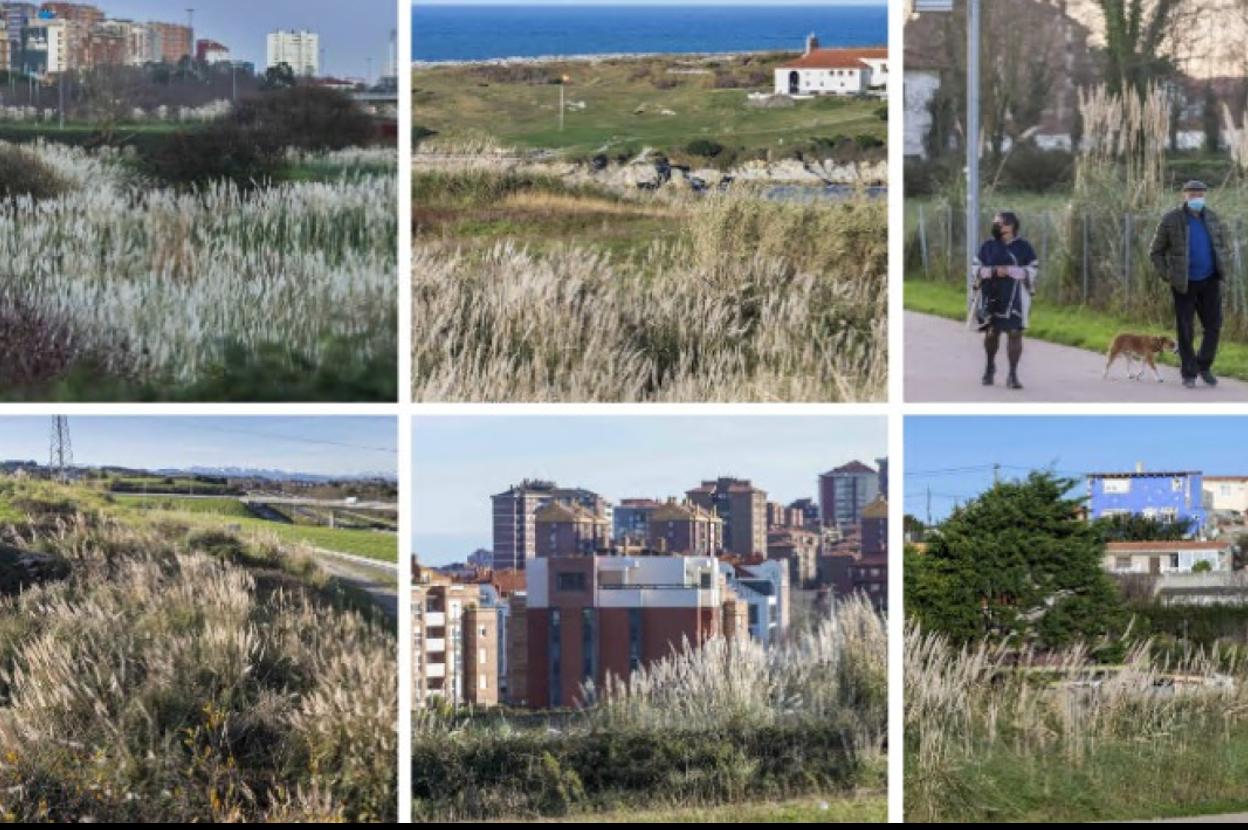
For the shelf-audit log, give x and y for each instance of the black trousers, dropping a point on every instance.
(1202, 301)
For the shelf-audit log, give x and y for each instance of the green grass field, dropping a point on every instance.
(1124, 781)
(217, 512)
(1077, 326)
(866, 808)
(625, 108)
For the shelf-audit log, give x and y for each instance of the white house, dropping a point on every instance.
(1166, 557)
(834, 72)
(1226, 493)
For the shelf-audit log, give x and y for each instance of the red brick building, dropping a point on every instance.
(742, 506)
(685, 529)
(570, 530)
(591, 618)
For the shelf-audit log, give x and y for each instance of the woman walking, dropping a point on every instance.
(1005, 278)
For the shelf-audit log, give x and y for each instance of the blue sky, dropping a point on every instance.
(459, 462)
(648, 3)
(328, 446)
(351, 32)
(953, 455)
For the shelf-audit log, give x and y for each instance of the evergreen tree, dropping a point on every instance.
(1018, 564)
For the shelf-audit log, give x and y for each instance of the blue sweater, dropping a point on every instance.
(1200, 259)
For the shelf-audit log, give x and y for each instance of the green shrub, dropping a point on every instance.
(23, 174)
(534, 773)
(1029, 168)
(704, 148)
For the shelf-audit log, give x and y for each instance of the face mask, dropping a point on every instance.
(1196, 203)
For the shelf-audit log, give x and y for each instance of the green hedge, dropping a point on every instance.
(489, 775)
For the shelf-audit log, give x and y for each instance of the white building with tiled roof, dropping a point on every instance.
(834, 72)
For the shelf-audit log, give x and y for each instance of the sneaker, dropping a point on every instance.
(989, 375)
(1208, 378)
(1190, 383)
(1012, 382)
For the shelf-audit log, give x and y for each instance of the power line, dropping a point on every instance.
(299, 439)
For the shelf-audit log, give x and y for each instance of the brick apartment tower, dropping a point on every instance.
(569, 530)
(515, 518)
(480, 657)
(742, 506)
(450, 632)
(590, 618)
(685, 529)
(845, 492)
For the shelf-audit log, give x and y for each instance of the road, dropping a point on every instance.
(1228, 818)
(380, 580)
(944, 363)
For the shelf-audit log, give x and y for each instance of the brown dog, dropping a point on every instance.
(1144, 347)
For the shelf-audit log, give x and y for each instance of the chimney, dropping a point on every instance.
(1139, 466)
(812, 43)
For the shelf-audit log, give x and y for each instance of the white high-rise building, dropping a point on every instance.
(301, 51)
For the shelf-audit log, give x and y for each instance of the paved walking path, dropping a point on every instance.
(378, 579)
(944, 363)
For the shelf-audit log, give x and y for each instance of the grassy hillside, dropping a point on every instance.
(155, 672)
(222, 512)
(619, 106)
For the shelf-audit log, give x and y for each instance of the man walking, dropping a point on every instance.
(1189, 251)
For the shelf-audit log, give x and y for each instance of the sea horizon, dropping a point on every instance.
(470, 33)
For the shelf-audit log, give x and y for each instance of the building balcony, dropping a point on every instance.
(435, 646)
(435, 672)
(435, 619)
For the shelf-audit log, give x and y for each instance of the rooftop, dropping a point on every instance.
(837, 58)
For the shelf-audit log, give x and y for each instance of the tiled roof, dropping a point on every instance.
(837, 58)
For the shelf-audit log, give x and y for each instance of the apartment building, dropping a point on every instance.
(515, 518)
(743, 508)
(631, 519)
(845, 491)
(588, 618)
(685, 529)
(764, 588)
(564, 529)
(455, 641)
(171, 42)
(798, 548)
(300, 50)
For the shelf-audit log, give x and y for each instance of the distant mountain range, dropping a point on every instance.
(223, 472)
(274, 475)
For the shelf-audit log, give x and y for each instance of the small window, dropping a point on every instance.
(570, 582)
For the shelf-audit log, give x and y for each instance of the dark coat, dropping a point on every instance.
(1169, 248)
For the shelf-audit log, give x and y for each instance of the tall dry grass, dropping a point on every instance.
(963, 706)
(757, 301)
(156, 282)
(159, 682)
(835, 671)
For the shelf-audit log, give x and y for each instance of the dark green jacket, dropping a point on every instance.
(1169, 248)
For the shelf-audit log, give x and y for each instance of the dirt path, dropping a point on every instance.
(944, 363)
(378, 579)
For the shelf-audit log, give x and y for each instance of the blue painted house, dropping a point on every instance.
(1160, 495)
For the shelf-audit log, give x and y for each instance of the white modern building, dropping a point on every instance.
(834, 72)
(300, 50)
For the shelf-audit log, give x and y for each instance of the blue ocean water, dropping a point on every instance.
(457, 33)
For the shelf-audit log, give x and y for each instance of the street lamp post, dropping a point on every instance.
(972, 123)
(563, 108)
(972, 139)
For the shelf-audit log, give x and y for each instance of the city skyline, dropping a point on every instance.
(460, 462)
(331, 446)
(944, 453)
(349, 36)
